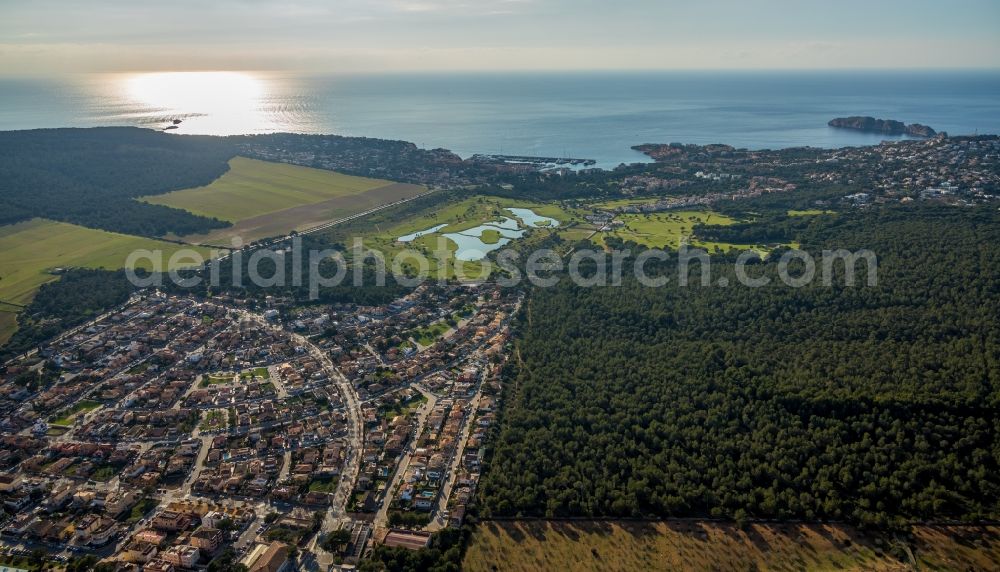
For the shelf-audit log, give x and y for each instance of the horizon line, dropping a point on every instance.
(435, 71)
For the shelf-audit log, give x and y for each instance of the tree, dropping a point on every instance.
(226, 562)
(336, 540)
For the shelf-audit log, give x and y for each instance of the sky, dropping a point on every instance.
(329, 36)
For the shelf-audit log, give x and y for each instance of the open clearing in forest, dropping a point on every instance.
(668, 229)
(263, 199)
(585, 545)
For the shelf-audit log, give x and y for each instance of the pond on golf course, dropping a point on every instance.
(469, 242)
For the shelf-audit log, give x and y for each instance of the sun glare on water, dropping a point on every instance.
(211, 103)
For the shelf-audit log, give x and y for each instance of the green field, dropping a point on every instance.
(253, 187)
(666, 229)
(324, 485)
(427, 335)
(32, 249)
(142, 367)
(84, 406)
(140, 510)
(474, 211)
(257, 372)
(8, 324)
(388, 413)
(692, 545)
(265, 199)
(617, 203)
(669, 229)
(490, 236)
(217, 379)
(104, 474)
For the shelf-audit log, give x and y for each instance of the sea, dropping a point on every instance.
(586, 115)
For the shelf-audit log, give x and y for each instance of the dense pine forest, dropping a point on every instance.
(876, 405)
(91, 177)
(290, 272)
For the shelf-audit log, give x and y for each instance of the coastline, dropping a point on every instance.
(589, 115)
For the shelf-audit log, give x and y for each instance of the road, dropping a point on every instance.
(82, 418)
(73, 331)
(336, 515)
(382, 517)
(439, 521)
(326, 225)
(286, 466)
(355, 429)
(199, 463)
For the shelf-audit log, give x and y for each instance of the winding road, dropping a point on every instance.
(336, 516)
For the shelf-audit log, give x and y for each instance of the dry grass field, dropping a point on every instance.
(530, 546)
(8, 323)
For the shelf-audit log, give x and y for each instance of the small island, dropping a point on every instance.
(883, 126)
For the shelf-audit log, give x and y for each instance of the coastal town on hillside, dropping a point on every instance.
(173, 432)
(954, 170)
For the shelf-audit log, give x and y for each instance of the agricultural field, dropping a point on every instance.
(692, 545)
(33, 249)
(264, 199)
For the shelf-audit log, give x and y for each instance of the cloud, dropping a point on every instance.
(459, 7)
(324, 35)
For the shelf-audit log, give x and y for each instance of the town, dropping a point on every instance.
(172, 432)
(958, 171)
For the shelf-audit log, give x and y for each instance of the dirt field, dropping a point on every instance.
(691, 545)
(306, 216)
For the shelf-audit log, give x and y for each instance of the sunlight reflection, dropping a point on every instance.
(211, 103)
